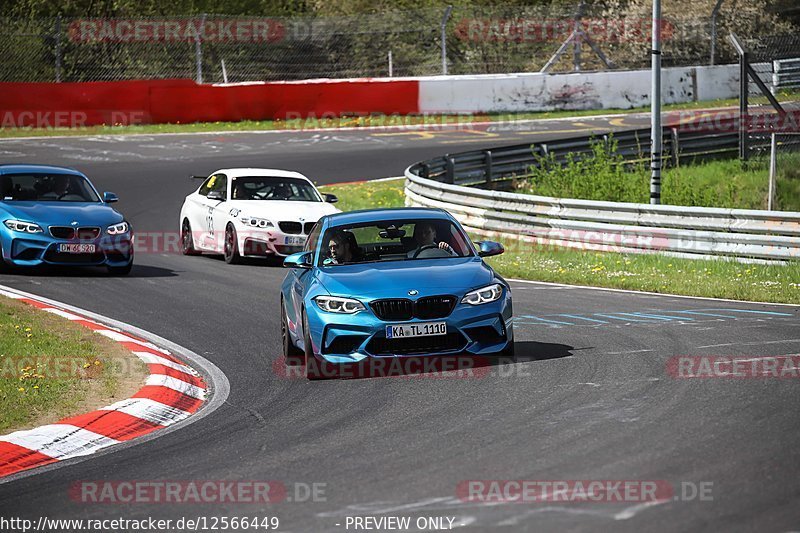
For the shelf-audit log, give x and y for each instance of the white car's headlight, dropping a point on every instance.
(118, 229)
(23, 227)
(334, 304)
(256, 222)
(484, 295)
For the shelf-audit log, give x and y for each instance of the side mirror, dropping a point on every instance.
(489, 248)
(299, 260)
(110, 197)
(216, 195)
(331, 198)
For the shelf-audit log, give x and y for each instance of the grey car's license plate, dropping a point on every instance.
(421, 329)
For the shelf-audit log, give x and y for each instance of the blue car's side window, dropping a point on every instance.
(313, 238)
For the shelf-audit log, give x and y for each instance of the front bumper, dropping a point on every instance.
(34, 250)
(258, 242)
(475, 330)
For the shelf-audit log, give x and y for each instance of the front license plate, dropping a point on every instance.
(423, 329)
(294, 241)
(77, 248)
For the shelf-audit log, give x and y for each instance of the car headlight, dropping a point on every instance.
(23, 227)
(334, 304)
(118, 229)
(485, 295)
(256, 222)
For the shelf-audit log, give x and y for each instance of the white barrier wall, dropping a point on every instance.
(583, 90)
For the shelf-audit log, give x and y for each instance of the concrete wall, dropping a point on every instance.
(591, 90)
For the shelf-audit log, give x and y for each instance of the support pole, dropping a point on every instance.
(444, 39)
(773, 161)
(655, 108)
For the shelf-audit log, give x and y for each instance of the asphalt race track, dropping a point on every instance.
(589, 399)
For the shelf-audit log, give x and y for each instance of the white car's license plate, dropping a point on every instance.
(294, 241)
(77, 248)
(422, 329)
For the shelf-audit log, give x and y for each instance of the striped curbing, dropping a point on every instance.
(173, 392)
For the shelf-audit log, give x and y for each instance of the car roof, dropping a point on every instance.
(272, 172)
(374, 215)
(22, 168)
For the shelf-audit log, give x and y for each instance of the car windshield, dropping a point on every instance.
(401, 240)
(273, 188)
(40, 187)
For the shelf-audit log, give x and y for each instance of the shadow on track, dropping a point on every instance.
(47, 271)
(424, 366)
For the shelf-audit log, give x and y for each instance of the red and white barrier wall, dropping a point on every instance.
(184, 101)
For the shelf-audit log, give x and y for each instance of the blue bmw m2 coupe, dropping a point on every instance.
(54, 215)
(393, 283)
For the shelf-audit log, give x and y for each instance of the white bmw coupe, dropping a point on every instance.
(251, 212)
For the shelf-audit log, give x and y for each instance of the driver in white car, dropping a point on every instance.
(425, 235)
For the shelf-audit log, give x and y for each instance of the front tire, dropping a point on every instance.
(231, 251)
(5, 268)
(312, 365)
(187, 241)
(293, 354)
(120, 271)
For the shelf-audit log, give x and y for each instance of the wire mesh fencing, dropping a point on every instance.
(463, 40)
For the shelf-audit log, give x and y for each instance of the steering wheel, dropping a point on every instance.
(423, 248)
(62, 196)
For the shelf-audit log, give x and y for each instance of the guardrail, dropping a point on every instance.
(693, 232)
(786, 73)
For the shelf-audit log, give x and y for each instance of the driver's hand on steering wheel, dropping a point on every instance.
(444, 246)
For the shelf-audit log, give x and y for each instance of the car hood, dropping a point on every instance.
(62, 213)
(280, 210)
(394, 279)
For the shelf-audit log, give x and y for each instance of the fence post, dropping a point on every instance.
(58, 48)
(450, 169)
(676, 148)
(489, 166)
(714, 13)
(444, 39)
(198, 48)
(773, 162)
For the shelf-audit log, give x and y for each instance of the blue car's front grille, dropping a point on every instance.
(56, 257)
(68, 233)
(428, 308)
(452, 342)
(62, 232)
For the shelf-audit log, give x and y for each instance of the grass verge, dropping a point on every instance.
(51, 368)
(642, 272)
(343, 122)
(728, 183)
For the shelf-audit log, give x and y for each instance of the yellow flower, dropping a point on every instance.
(96, 362)
(21, 389)
(86, 365)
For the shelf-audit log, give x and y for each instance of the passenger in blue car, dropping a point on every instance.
(425, 238)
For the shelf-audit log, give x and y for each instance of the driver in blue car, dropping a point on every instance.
(339, 248)
(425, 236)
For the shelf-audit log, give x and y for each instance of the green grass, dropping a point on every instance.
(642, 272)
(368, 194)
(51, 368)
(353, 122)
(723, 183)
(651, 272)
